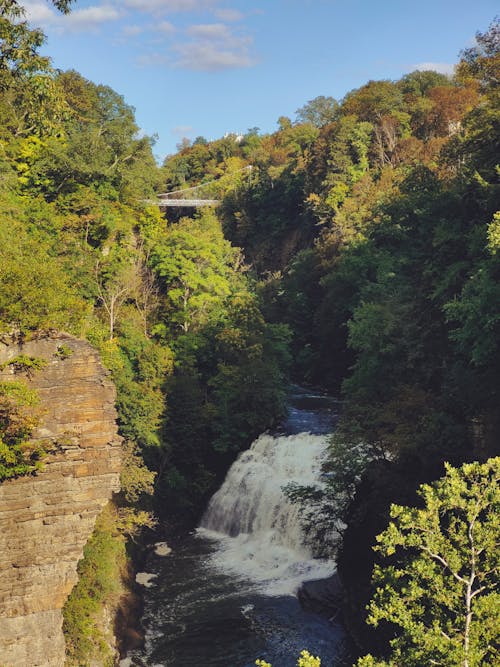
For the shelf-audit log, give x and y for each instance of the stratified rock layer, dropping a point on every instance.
(46, 519)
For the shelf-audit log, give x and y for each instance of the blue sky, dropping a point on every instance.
(207, 67)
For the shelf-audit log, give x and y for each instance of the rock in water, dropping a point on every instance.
(322, 596)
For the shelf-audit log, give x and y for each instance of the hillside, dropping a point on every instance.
(356, 249)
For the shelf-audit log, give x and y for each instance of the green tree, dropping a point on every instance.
(248, 388)
(441, 590)
(19, 415)
(34, 289)
(373, 101)
(30, 99)
(482, 60)
(195, 265)
(419, 82)
(116, 281)
(319, 111)
(304, 660)
(98, 146)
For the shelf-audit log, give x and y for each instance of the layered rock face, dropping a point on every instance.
(46, 519)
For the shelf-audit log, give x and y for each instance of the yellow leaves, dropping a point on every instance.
(337, 195)
(494, 234)
(6, 454)
(232, 338)
(19, 416)
(135, 478)
(131, 521)
(305, 660)
(313, 200)
(110, 353)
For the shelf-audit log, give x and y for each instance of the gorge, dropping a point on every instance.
(355, 248)
(226, 594)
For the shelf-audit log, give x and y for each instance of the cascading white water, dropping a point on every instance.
(258, 528)
(226, 595)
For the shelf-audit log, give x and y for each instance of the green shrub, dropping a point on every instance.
(19, 415)
(23, 363)
(100, 584)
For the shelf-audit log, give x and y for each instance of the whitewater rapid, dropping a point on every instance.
(258, 530)
(225, 595)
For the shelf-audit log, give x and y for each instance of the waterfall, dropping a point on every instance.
(258, 528)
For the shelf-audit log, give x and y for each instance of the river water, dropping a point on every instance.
(225, 595)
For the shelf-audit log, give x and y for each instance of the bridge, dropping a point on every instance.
(184, 198)
(165, 202)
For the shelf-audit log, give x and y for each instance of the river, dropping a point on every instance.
(225, 595)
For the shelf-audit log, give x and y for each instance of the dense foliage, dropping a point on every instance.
(167, 303)
(364, 236)
(18, 417)
(305, 660)
(442, 588)
(89, 634)
(372, 227)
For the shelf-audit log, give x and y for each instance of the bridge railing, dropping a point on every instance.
(185, 198)
(187, 202)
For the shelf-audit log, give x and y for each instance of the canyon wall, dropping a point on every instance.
(46, 518)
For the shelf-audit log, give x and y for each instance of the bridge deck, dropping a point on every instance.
(187, 202)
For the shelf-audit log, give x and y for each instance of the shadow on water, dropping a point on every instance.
(201, 614)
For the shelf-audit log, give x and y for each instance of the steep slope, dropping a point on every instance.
(46, 519)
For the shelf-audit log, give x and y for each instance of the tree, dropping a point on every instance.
(18, 43)
(304, 660)
(442, 590)
(19, 415)
(116, 282)
(195, 265)
(146, 295)
(247, 389)
(33, 299)
(102, 144)
(419, 82)
(31, 101)
(373, 101)
(319, 111)
(482, 60)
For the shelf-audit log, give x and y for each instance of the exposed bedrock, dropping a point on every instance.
(46, 519)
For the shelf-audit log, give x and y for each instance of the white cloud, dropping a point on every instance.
(165, 27)
(88, 18)
(229, 15)
(182, 130)
(213, 47)
(442, 68)
(153, 60)
(206, 57)
(165, 6)
(211, 31)
(201, 47)
(38, 13)
(42, 13)
(132, 30)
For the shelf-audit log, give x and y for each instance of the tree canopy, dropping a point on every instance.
(441, 590)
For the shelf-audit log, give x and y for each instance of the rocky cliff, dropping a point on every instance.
(46, 519)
